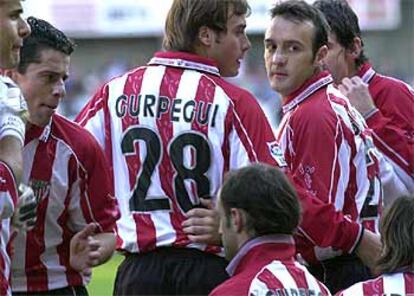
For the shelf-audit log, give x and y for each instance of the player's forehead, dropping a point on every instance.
(10, 5)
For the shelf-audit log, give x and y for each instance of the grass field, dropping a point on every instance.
(104, 277)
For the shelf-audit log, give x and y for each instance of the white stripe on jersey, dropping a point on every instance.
(214, 174)
(394, 284)
(311, 280)
(4, 240)
(186, 92)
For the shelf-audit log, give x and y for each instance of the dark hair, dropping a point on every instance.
(397, 235)
(300, 11)
(267, 197)
(343, 22)
(186, 17)
(43, 36)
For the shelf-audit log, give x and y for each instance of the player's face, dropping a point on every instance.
(43, 85)
(13, 28)
(228, 48)
(288, 54)
(228, 234)
(337, 60)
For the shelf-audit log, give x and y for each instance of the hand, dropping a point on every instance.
(85, 250)
(358, 94)
(202, 224)
(24, 216)
(369, 249)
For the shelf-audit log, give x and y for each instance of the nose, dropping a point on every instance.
(24, 28)
(247, 45)
(278, 57)
(59, 90)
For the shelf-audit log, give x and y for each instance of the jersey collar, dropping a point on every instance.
(41, 133)
(313, 84)
(186, 61)
(281, 244)
(366, 72)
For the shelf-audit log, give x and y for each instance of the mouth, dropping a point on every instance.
(52, 107)
(279, 75)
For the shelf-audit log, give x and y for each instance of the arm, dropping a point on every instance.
(390, 119)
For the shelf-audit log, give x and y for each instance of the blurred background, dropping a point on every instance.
(114, 36)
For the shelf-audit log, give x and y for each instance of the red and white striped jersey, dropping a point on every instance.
(70, 177)
(171, 131)
(8, 199)
(266, 266)
(395, 284)
(392, 123)
(331, 153)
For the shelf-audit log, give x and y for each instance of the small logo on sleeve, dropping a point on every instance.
(277, 153)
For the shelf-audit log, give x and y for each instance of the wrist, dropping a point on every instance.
(370, 112)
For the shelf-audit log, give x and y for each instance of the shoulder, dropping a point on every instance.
(318, 111)
(235, 93)
(80, 140)
(236, 285)
(387, 84)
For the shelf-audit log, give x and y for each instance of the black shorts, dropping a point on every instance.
(341, 272)
(67, 291)
(170, 271)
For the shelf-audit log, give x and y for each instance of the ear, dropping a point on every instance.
(205, 36)
(355, 50)
(237, 219)
(13, 74)
(320, 56)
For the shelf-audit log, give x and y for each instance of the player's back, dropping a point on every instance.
(174, 130)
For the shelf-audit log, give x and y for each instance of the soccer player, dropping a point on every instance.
(324, 140)
(396, 263)
(69, 174)
(388, 110)
(259, 212)
(171, 130)
(13, 29)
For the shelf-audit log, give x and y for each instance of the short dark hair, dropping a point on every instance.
(186, 17)
(300, 11)
(397, 235)
(266, 195)
(343, 22)
(43, 36)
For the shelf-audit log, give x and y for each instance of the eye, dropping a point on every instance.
(293, 48)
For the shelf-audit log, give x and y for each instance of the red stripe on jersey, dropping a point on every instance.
(72, 277)
(333, 186)
(145, 228)
(409, 283)
(270, 280)
(375, 287)
(244, 137)
(169, 86)
(35, 245)
(225, 148)
(299, 276)
(205, 93)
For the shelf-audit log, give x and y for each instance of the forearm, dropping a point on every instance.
(10, 153)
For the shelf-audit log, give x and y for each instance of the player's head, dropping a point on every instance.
(254, 201)
(295, 45)
(13, 28)
(345, 54)
(397, 235)
(43, 69)
(211, 28)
